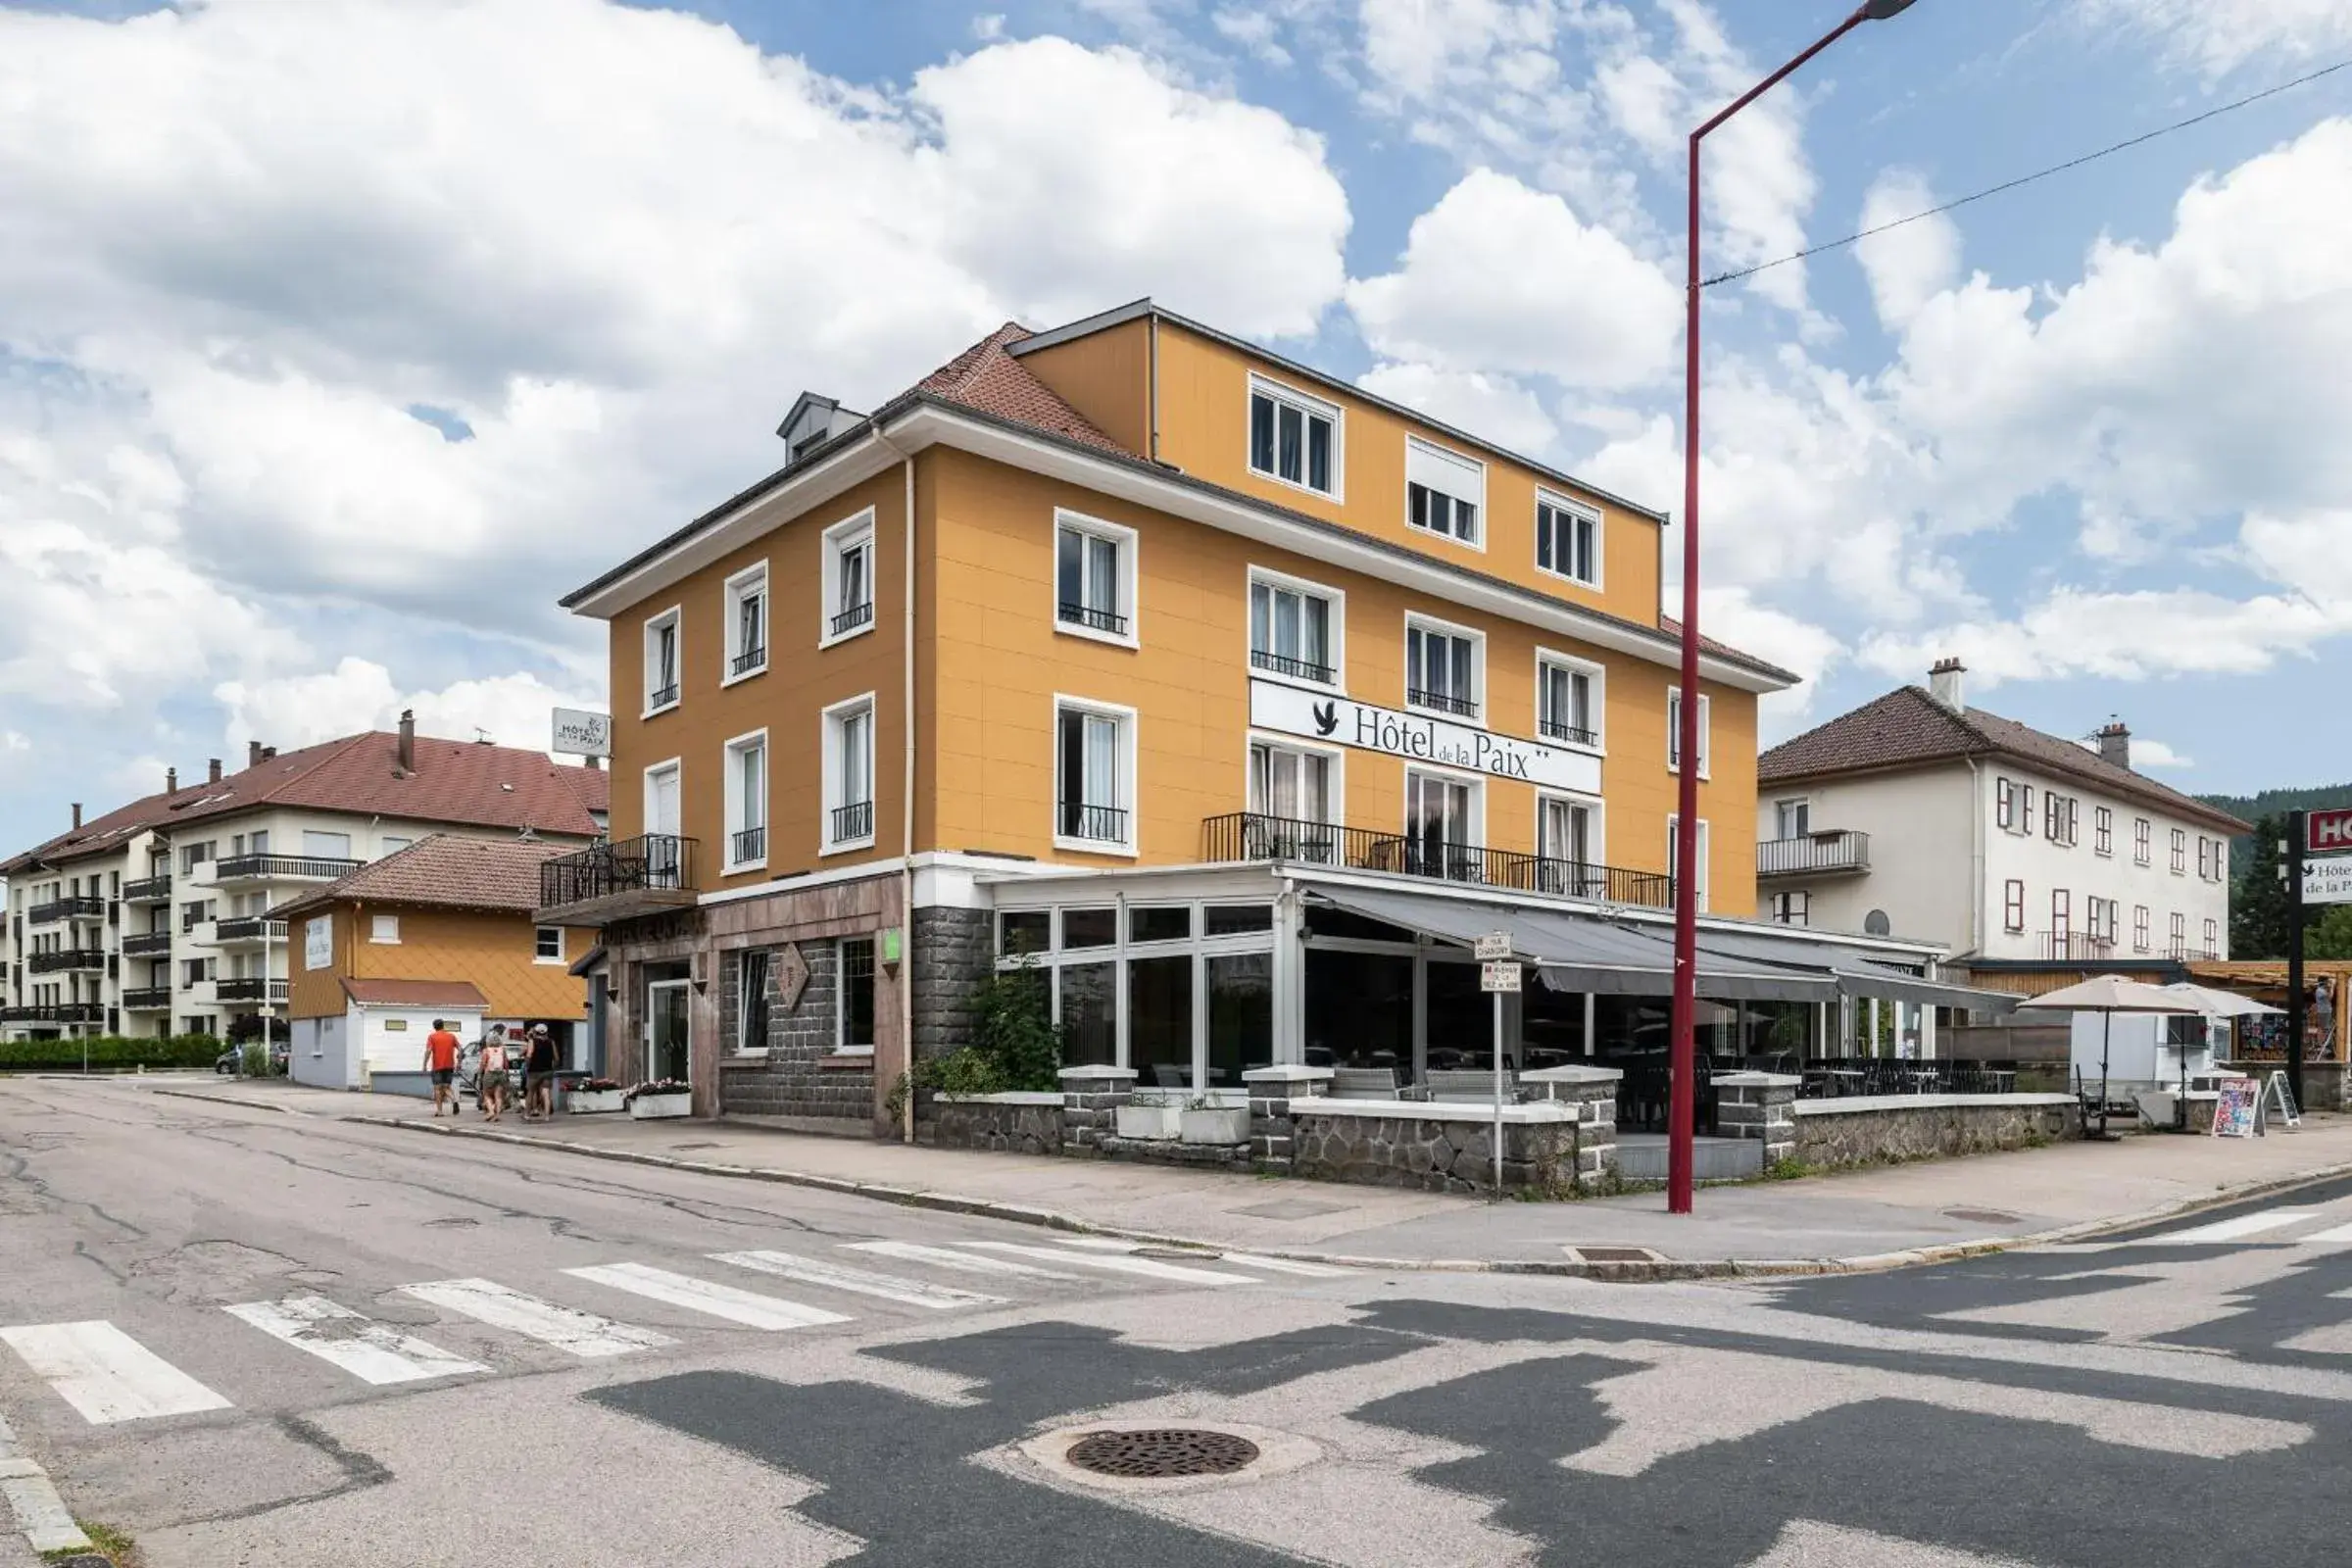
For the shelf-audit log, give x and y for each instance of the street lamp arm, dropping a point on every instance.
(1865, 13)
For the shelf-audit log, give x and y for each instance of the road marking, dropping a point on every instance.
(1120, 1263)
(2232, 1230)
(582, 1334)
(375, 1352)
(859, 1281)
(2334, 1236)
(106, 1374)
(1284, 1265)
(958, 1262)
(747, 1308)
(1099, 1244)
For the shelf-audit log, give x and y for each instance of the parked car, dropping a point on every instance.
(232, 1060)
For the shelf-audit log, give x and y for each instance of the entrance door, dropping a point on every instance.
(665, 1054)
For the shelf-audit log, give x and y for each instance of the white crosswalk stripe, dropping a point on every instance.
(956, 1262)
(582, 1334)
(748, 1307)
(371, 1351)
(106, 1374)
(857, 1281)
(1272, 1265)
(2238, 1229)
(1119, 1263)
(2334, 1235)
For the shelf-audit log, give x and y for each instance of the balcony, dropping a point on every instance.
(65, 959)
(1440, 702)
(617, 881)
(1253, 836)
(2074, 947)
(74, 909)
(1094, 824)
(1836, 852)
(852, 822)
(750, 659)
(746, 845)
(53, 1012)
(147, 945)
(240, 929)
(147, 999)
(148, 890)
(282, 869)
(249, 989)
(1553, 729)
(2181, 952)
(850, 619)
(1298, 668)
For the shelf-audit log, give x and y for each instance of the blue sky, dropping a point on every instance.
(335, 342)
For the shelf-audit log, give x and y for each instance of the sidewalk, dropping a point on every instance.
(1852, 1220)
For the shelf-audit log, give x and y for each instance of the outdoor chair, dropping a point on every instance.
(1364, 1083)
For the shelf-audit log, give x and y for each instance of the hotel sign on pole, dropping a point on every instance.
(2327, 832)
(2327, 879)
(580, 733)
(1418, 737)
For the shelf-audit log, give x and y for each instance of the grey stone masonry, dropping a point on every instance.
(1878, 1129)
(801, 1075)
(1271, 1091)
(1437, 1153)
(1761, 1105)
(952, 951)
(1091, 1098)
(1592, 1091)
(1014, 1124)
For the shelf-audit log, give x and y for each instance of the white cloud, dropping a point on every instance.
(2219, 35)
(1809, 651)
(358, 694)
(2139, 635)
(1492, 406)
(1909, 265)
(1254, 30)
(2147, 752)
(1470, 295)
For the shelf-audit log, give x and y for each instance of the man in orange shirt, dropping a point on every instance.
(441, 1061)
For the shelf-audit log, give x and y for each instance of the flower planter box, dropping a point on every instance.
(1216, 1125)
(595, 1101)
(657, 1108)
(1151, 1123)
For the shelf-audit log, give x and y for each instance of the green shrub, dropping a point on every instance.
(1015, 1043)
(108, 1052)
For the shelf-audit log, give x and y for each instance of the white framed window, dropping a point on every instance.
(663, 635)
(746, 624)
(2140, 928)
(2102, 831)
(1569, 847)
(846, 571)
(1444, 493)
(1094, 776)
(1295, 437)
(1296, 628)
(2013, 905)
(848, 764)
(2180, 930)
(1445, 816)
(1792, 909)
(1293, 782)
(1792, 818)
(1567, 540)
(1570, 699)
(853, 997)
(384, 930)
(2141, 831)
(1674, 730)
(318, 846)
(2180, 853)
(664, 786)
(1445, 668)
(1674, 852)
(547, 943)
(745, 766)
(2213, 935)
(1094, 578)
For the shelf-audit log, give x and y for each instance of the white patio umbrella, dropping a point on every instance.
(2221, 1003)
(2108, 995)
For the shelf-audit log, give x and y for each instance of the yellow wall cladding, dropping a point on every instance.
(1105, 375)
(496, 951)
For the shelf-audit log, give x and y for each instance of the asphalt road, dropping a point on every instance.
(250, 1339)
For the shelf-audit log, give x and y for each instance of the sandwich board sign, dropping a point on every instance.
(2233, 1111)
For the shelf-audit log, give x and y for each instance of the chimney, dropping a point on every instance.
(253, 754)
(2115, 743)
(408, 740)
(77, 814)
(171, 780)
(212, 770)
(1944, 683)
(267, 752)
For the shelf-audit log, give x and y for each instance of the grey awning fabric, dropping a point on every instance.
(1856, 972)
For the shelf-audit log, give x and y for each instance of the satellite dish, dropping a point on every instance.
(1876, 925)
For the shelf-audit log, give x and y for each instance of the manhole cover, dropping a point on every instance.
(1157, 1452)
(1980, 1216)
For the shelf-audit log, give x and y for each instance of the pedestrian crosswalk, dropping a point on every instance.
(108, 1376)
(2284, 1226)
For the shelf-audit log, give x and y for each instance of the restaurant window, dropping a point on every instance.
(1241, 1015)
(1090, 928)
(855, 1013)
(1160, 1022)
(1024, 931)
(1089, 1012)
(751, 1001)
(1236, 919)
(1159, 922)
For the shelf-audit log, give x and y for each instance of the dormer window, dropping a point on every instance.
(1294, 437)
(1444, 493)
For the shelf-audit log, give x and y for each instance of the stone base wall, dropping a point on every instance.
(1169, 1152)
(951, 951)
(996, 1128)
(800, 1077)
(1432, 1154)
(1829, 1138)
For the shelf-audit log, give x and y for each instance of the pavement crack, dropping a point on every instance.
(360, 1472)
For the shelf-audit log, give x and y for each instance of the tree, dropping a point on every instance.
(2258, 906)
(2330, 936)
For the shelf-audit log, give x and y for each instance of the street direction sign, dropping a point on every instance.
(2327, 832)
(1498, 977)
(2327, 880)
(1494, 945)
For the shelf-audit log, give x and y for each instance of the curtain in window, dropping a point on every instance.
(857, 758)
(752, 767)
(1102, 779)
(1102, 575)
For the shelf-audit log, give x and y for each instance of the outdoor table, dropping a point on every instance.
(1840, 1076)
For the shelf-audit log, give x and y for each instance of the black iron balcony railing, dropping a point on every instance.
(305, 868)
(148, 889)
(1442, 702)
(851, 618)
(72, 908)
(2076, 947)
(1814, 854)
(244, 928)
(1097, 824)
(1283, 664)
(749, 660)
(663, 697)
(750, 844)
(143, 943)
(2183, 952)
(53, 1012)
(1559, 729)
(250, 989)
(650, 862)
(855, 821)
(65, 958)
(146, 999)
(1255, 836)
(1109, 621)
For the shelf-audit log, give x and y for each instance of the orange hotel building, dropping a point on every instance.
(1158, 659)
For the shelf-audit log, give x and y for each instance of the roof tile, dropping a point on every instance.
(986, 378)
(447, 871)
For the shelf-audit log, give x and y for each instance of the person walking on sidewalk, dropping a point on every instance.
(441, 1061)
(482, 1079)
(491, 1075)
(539, 1072)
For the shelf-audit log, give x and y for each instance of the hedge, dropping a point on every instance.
(112, 1052)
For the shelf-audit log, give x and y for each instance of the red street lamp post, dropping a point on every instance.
(1683, 1099)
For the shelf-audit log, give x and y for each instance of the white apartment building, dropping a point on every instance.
(1919, 816)
(154, 919)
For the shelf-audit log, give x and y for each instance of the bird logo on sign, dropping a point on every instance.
(1327, 717)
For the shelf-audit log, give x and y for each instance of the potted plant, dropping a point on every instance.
(1205, 1121)
(1151, 1117)
(662, 1098)
(592, 1096)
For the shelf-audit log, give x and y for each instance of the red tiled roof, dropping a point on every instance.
(447, 871)
(102, 835)
(991, 381)
(416, 994)
(464, 782)
(1907, 727)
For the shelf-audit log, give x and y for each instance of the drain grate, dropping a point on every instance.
(1162, 1451)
